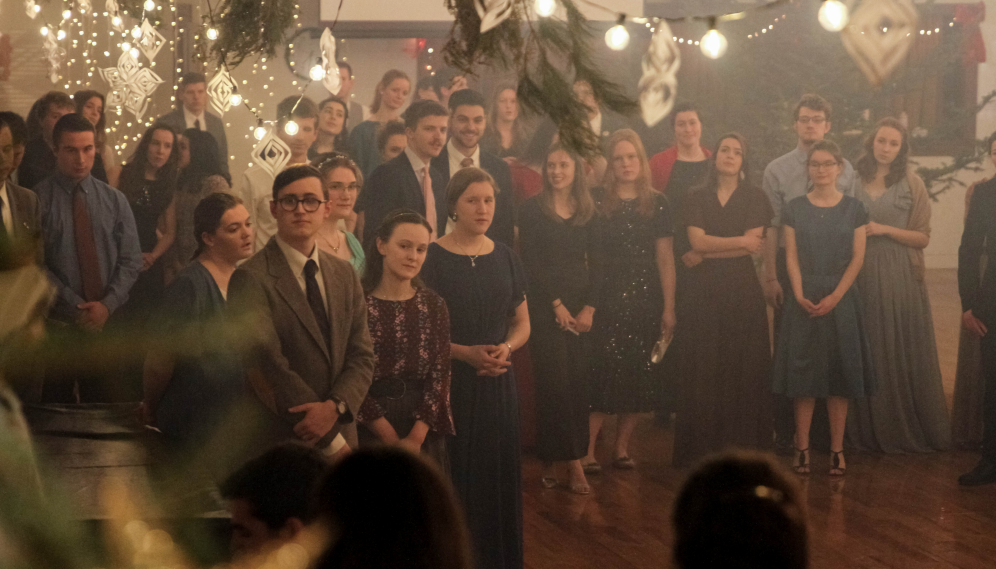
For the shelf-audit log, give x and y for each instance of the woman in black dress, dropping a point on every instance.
(637, 298)
(484, 286)
(148, 180)
(190, 387)
(409, 400)
(723, 393)
(557, 234)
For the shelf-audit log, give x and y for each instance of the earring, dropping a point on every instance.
(453, 216)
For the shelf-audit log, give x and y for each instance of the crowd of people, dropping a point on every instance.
(373, 293)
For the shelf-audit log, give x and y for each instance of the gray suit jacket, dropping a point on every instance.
(288, 363)
(174, 119)
(26, 216)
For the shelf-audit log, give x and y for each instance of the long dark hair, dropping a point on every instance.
(584, 205)
(867, 166)
(208, 214)
(341, 141)
(644, 189)
(204, 161)
(712, 178)
(390, 509)
(81, 98)
(133, 173)
(374, 264)
(518, 127)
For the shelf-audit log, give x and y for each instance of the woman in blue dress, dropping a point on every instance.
(484, 286)
(823, 350)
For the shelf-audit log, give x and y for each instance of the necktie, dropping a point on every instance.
(86, 248)
(315, 300)
(197, 124)
(430, 202)
(466, 162)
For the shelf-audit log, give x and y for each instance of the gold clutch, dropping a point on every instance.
(660, 348)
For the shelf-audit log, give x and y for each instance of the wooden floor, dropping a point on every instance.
(903, 511)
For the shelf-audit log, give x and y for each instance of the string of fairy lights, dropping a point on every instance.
(81, 27)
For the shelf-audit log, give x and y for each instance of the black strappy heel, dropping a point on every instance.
(801, 465)
(836, 469)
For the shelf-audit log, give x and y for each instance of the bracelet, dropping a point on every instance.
(510, 350)
(559, 304)
(770, 280)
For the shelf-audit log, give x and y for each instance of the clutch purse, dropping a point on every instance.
(660, 348)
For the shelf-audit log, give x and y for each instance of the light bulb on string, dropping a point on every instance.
(211, 33)
(291, 128)
(37, 9)
(235, 99)
(833, 15)
(617, 38)
(317, 73)
(545, 8)
(136, 32)
(61, 35)
(116, 20)
(44, 30)
(713, 44)
(66, 14)
(260, 131)
(149, 5)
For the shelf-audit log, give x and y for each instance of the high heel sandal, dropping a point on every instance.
(836, 470)
(801, 464)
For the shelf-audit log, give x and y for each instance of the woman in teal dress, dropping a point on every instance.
(908, 412)
(343, 180)
(823, 350)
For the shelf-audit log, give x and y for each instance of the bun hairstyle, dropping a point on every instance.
(374, 264)
(208, 214)
(328, 161)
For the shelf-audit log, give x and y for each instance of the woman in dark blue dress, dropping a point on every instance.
(191, 384)
(823, 349)
(484, 285)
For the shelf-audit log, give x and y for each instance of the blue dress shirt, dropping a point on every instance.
(118, 251)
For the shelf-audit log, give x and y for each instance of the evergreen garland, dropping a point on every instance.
(250, 27)
(548, 56)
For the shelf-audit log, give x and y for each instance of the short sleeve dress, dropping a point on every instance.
(828, 356)
(628, 322)
(485, 452)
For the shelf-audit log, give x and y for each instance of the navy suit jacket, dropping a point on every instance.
(394, 185)
(503, 225)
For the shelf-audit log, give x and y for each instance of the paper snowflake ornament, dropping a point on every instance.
(151, 41)
(131, 85)
(271, 154)
(879, 36)
(31, 9)
(114, 15)
(492, 12)
(220, 89)
(659, 83)
(54, 55)
(331, 81)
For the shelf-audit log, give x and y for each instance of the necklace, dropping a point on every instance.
(338, 239)
(473, 258)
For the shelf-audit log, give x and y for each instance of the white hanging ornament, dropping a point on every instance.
(151, 41)
(271, 154)
(31, 9)
(131, 84)
(879, 36)
(492, 12)
(658, 86)
(220, 89)
(331, 80)
(54, 55)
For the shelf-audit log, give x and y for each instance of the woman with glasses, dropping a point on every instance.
(823, 350)
(343, 179)
(908, 412)
(409, 400)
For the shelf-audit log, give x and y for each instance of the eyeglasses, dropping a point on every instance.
(310, 204)
(818, 165)
(339, 186)
(814, 120)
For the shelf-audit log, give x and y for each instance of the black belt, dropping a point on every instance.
(388, 388)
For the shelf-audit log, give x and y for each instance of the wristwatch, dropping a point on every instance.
(339, 405)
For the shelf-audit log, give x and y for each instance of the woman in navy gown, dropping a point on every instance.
(484, 285)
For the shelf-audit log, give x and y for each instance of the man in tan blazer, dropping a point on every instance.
(19, 214)
(311, 359)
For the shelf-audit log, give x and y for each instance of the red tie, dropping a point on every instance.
(430, 202)
(466, 163)
(86, 248)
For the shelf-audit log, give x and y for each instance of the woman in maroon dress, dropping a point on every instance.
(723, 393)
(409, 400)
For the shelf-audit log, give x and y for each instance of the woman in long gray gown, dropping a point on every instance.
(908, 413)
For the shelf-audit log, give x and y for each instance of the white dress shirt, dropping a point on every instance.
(190, 118)
(297, 260)
(456, 157)
(257, 193)
(417, 164)
(8, 216)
